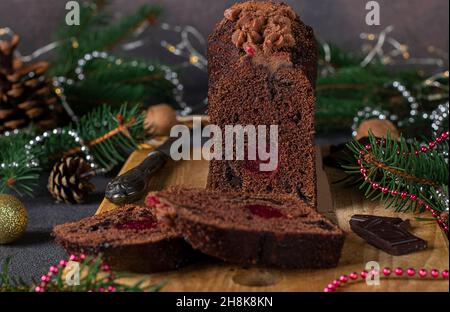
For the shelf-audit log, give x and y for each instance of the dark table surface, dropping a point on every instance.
(33, 254)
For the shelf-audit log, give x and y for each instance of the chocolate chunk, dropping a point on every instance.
(388, 234)
(262, 24)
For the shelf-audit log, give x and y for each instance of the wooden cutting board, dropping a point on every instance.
(335, 202)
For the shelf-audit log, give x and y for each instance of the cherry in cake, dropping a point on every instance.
(250, 228)
(130, 238)
(262, 64)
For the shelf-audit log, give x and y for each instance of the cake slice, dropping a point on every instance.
(130, 239)
(250, 229)
(262, 64)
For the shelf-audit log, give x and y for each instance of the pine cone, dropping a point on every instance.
(26, 95)
(69, 180)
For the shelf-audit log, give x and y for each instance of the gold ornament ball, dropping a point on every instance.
(13, 218)
(160, 119)
(379, 128)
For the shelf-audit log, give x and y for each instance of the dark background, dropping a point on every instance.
(418, 23)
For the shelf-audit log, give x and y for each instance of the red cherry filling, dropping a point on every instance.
(254, 165)
(249, 48)
(143, 224)
(264, 211)
(250, 51)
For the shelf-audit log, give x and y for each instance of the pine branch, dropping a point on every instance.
(16, 175)
(9, 282)
(338, 57)
(351, 88)
(394, 165)
(113, 150)
(95, 33)
(91, 17)
(131, 81)
(111, 133)
(436, 200)
(92, 278)
(108, 152)
(106, 81)
(347, 88)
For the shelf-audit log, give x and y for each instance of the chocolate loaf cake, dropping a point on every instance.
(130, 239)
(250, 229)
(262, 64)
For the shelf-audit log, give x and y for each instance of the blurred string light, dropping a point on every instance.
(378, 47)
(183, 48)
(169, 75)
(371, 112)
(33, 162)
(326, 67)
(387, 50)
(437, 117)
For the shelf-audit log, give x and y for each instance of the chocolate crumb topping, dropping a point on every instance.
(262, 27)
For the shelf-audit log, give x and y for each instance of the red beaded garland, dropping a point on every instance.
(363, 274)
(398, 271)
(46, 278)
(336, 283)
(422, 273)
(410, 272)
(445, 274)
(435, 273)
(413, 197)
(353, 275)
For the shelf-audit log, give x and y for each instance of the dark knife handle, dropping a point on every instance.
(132, 185)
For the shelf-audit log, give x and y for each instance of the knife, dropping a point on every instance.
(132, 185)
